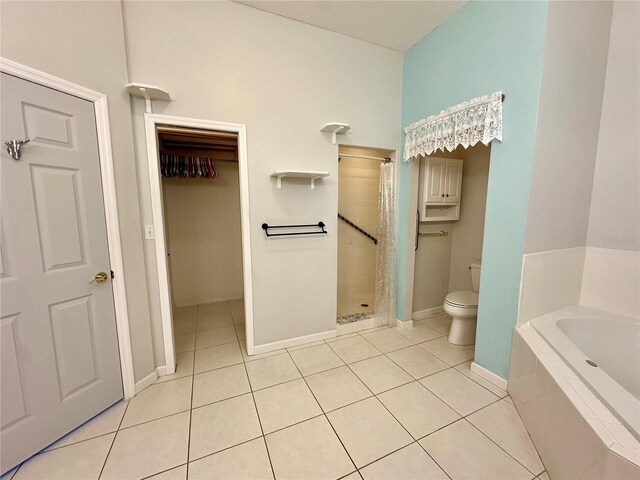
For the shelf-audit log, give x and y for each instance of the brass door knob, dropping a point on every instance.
(100, 277)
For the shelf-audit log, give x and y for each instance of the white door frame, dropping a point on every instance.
(151, 120)
(103, 132)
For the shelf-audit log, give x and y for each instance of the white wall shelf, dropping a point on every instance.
(335, 128)
(148, 92)
(310, 174)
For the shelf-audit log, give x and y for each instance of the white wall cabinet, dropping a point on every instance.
(440, 189)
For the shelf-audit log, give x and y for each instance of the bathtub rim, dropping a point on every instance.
(620, 403)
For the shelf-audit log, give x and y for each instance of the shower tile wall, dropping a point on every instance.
(358, 201)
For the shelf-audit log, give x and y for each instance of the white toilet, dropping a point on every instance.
(463, 308)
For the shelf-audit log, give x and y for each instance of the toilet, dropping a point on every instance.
(462, 306)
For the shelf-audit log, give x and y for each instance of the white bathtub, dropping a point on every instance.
(612, 342)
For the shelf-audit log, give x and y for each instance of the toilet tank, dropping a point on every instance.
(474, 268)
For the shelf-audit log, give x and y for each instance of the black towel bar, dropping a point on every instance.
(320, 225)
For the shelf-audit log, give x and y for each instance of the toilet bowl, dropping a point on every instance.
(462, 306)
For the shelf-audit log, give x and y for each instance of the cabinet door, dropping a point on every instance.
(435, 180)
(453, 181)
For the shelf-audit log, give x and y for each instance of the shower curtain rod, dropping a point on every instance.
(382, 159)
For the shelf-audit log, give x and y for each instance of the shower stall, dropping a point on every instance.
(366, 236)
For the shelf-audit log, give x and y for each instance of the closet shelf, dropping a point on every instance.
(310, 174)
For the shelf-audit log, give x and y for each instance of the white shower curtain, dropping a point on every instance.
(385, 301)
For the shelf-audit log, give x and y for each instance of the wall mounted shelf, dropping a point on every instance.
(335, 128)
(148, 92)
(311, 175)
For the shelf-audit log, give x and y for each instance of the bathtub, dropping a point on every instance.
(603, 349)
(583, 417)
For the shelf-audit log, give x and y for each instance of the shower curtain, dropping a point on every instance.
(385, 302)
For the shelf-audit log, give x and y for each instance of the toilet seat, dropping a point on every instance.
(462, 299)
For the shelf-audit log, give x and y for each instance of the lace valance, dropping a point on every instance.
(478, 120)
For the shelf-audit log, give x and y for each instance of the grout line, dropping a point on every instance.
(255, 405)
(325, 415)
(106, 458)
(193, 379)
(167, 470)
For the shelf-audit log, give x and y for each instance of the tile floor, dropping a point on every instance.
(350, 310)
(380, 404)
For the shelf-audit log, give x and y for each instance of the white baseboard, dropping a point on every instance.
(146, 381)
(429, 312)
(402, 325)
(489, 376)
(293, 342)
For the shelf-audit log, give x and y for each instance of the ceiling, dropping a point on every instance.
(393, 24)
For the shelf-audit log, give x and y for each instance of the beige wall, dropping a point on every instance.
(614, 221)
(442, 262)
(467, 233)
(205, 243)
(359, 183)
(83, 42)
(573, 76)
(283, 79)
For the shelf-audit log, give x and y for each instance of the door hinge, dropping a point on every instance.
(112, 275)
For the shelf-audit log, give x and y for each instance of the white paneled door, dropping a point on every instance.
(60, 361)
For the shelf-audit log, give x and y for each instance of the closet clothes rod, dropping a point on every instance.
(266, 227)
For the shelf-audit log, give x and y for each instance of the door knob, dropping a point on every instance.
(100, 277)
(14, 147)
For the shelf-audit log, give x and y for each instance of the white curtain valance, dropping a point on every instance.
(478, 120)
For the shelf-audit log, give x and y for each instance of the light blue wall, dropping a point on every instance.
(487, 46)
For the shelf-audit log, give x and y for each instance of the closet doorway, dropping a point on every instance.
(199, 191)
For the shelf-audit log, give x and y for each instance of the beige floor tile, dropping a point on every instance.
(185, 313)
(352, 476)
(463, 452)
(106, 422)
(285, 404)
(219, 384)
(216, 336)
(271, 371)
(222, 425)
(149, 448)
(185, 342)
(440, 323)
(459, 392)
(215, 308)
(305, 345)
(209, 322)
(251, 358)
(80, 461)
(544, 476)
(248, 461)
(386, 340)
(217, 357)
(238, 318)
(241, 332)
(448, 352)
(159, 400)
(354, 349)
(318, 452)
(237, 307)
(184, 367)
(502, 424)
(181, 327)
(315, 359)
(409, 463)
(418, 333)
(417, 409)
(380, 374)
(417, 361)
(368, 431)
(178, 473)
(337, 388)
(464, 368)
